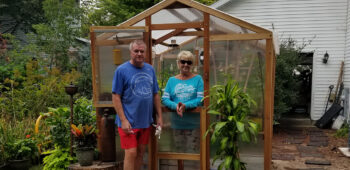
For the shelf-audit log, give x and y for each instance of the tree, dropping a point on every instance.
(59, 33)
(287, 84)
(22, 15)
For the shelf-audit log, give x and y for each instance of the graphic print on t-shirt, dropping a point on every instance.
(184, 91)
(142, 85)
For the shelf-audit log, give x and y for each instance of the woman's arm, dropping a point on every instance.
(166, 99)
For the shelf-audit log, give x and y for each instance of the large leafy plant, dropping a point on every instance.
(233, 105)
(58, 159)
(84, 136)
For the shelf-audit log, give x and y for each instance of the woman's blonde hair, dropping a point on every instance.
(185, 55)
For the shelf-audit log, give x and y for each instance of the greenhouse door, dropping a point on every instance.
(109, 49)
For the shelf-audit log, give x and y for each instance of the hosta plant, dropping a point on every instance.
(232, 105)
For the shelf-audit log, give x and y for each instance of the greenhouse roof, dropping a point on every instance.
(176, 22)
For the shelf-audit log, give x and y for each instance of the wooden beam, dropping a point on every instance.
(224, 16)
(223, 37)
(268, 105)
(93, 28)
(180, 156)
(161, 5)
(177, 26)
(169, 35)
(105, 36)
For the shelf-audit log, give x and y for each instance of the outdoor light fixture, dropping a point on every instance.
(325, 58)
(71, 90)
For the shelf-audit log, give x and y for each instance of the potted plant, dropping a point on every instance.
(85, 141)
(21, 152)
(232, 105)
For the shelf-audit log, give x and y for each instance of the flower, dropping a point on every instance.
(27, 136)
(85, 136)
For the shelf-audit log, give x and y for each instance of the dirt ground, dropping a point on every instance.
(292, 148)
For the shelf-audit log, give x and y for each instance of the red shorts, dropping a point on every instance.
(140, 136)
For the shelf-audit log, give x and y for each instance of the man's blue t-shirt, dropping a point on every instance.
(136, 86)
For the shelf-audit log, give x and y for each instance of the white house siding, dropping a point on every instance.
(323, 22)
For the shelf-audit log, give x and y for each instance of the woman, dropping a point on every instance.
(184, 91)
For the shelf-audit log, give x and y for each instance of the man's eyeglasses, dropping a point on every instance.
(186, 61)
(137, 51)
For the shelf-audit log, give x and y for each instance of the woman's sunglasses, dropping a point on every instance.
(186, 61)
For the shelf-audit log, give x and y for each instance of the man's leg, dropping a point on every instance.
(130, 158)
(139, 158)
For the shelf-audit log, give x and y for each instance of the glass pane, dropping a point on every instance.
(220, 26)
(177, 15)
(180, 134)
(244, 61)
(112, 49)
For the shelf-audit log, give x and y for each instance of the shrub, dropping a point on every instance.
(286, 84)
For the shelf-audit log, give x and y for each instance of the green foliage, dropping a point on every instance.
(57, 35)
(84, 112)
(12, 131)
(163, 78)
(57, 159)
(58, 122)
(343, 131)
(37, 94)
(286, 84)
(22, 149)
(233, 106)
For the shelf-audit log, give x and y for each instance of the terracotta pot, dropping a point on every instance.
(85, 156)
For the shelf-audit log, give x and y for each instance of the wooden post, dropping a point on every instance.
(268, 105)
(148, 40)
(94, 88)
(205, 161)
(152, 146)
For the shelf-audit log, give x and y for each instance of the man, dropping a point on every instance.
(135, 92)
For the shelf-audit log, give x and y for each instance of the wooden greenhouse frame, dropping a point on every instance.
(202, 30)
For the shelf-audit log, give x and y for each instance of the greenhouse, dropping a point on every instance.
(224, 47)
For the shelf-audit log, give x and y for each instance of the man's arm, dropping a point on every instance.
(119, 109)
(158, 106)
